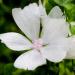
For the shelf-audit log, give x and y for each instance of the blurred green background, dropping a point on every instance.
(7, 24)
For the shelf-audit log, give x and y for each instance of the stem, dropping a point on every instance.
(45, 2)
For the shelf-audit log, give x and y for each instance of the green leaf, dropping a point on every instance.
(6, 69)
(48, 5)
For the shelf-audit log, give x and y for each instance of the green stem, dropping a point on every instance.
(45, 2)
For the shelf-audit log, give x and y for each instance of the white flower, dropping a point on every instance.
(53, 43)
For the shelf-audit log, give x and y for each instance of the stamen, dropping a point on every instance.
(37, 44)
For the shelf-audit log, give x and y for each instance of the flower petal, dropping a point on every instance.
(55, 51)
(54, 28)
(15, 41)
(71, 46)
(54, 54)
(28, 20)
(56, 13)
(29, 60)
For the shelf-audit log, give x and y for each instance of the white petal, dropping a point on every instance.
(71, 46)
(54, 28)
(54, 54)
(56, 13)
(55, 51)
(15, 41)
(28, 20)
(29, 60)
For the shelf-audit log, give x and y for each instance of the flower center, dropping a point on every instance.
(37, 44)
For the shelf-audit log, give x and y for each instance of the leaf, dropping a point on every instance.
(6, 69)
(48, 5)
